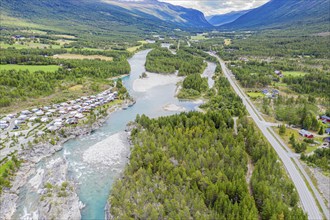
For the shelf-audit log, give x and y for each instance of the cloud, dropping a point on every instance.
(212, 7)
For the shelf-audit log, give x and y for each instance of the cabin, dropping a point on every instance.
(327, 131)
(71, 121)
(305, 133)
(26, 112)
(79, 115)
(22, 117)
(40, 113)
(325, 119)
(44, 119)
(33, 118)
(279, 73)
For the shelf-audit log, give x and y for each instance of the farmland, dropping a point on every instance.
(31, 68)
(81, 57)
(293, 73)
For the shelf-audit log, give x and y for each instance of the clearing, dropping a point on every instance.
(133, 49)
(27, 45)
(76, 88)
(198, 37)
(255, 94)
(64, 36)
(294, 73)
(82, 57)
(227, 42)
(31, 68)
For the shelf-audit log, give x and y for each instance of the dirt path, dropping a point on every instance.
(249, 174)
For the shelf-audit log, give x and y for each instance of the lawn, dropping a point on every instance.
(31, 68)
(294, 73)
(81, 57)
(255, 94)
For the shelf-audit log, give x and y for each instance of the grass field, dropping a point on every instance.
(133, 49)
(31, 68)
(63, 41)
(255, 94)
(76, 88)
(28, 45)
(81, 57)
(64, 36)
(198, 37)
(281, 84)
(294, 73)
(33, 31)
(227, 42)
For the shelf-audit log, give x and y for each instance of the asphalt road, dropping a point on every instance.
(307, 200)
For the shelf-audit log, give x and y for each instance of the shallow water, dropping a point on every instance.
(94, 177)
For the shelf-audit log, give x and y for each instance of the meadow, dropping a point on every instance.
(31, 68)
(81, 57)
(293, 73)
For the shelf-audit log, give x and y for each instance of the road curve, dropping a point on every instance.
(307, 200)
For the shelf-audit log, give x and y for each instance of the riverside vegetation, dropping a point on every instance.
(193, 165)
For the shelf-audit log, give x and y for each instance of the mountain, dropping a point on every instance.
(104, 15)
(178, 15)
(217, 20)
(284, 14)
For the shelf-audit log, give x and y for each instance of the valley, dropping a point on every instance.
(150, 110)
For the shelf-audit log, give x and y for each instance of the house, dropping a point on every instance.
(40, 113)
(264, 91)
(52, 128)
(279, 73)
(22, 117)
(71, 121)
(25, 112)
(3, 122)
(325, 118)
(58, 124)
(79, 115)
(327, 139)
(305, 133)
(35, 110)
(33, 118)
(327, 131)
(58, 120)
(49, 114)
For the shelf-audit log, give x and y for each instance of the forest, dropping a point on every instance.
(195, 165)
(192, 87)
(161, 60)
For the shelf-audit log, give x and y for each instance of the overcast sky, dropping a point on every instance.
(212, 7)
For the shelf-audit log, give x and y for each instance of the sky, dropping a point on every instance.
(213, 7)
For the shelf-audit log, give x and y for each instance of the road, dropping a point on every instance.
(294, 169)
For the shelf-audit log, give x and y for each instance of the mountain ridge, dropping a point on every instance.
(218, 20)
(283, 14)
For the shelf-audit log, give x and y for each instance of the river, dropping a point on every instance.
(96, 160)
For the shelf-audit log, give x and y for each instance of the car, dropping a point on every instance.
(15, 127)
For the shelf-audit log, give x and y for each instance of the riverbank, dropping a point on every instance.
(68, 206)
(154, 80)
